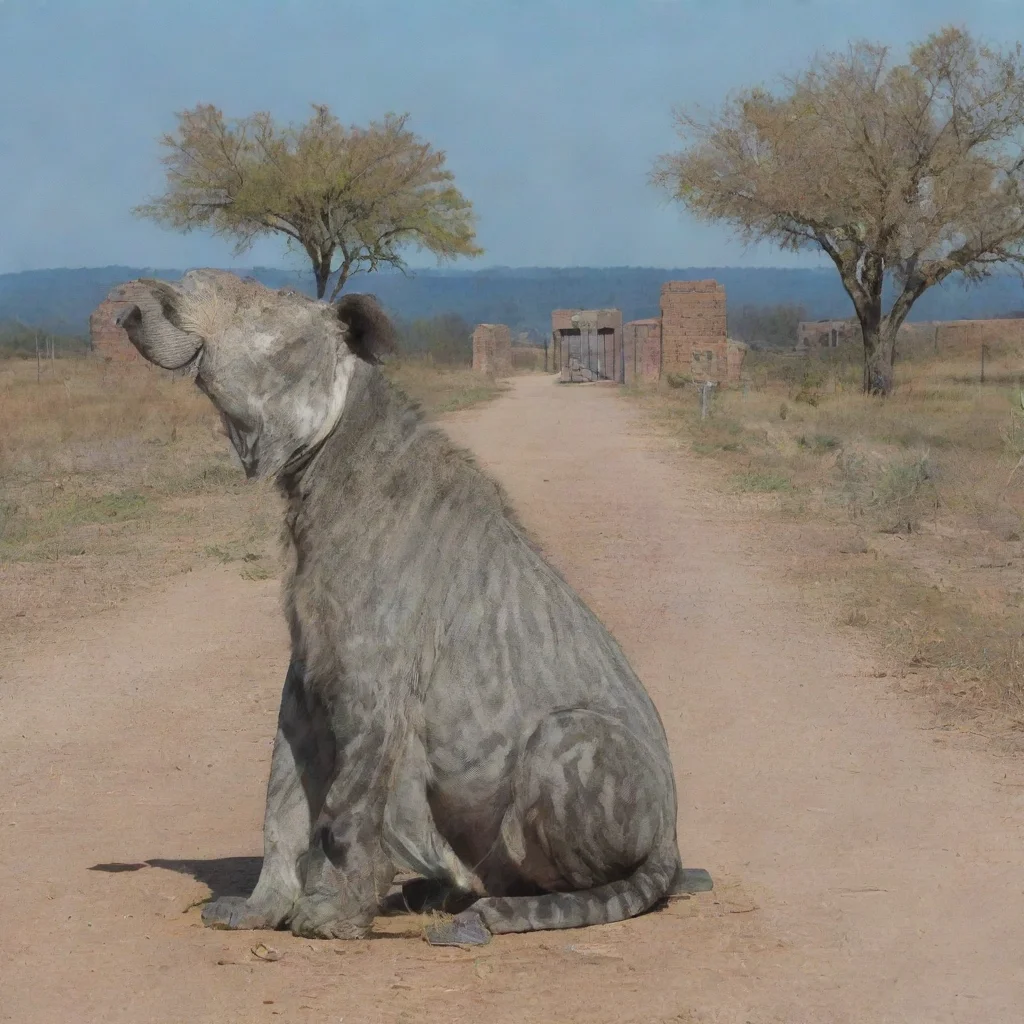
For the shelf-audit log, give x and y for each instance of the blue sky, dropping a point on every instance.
(551, 111)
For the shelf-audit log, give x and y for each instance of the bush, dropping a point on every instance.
(819, 443)
(445, 339)
(903, 492)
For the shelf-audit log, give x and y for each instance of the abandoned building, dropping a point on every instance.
(587, 344)
(820, 334)
(688, 340)
(492, 350)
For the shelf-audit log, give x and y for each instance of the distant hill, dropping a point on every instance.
(61, 300)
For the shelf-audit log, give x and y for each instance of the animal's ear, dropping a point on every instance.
(152, 321)
(369, 332)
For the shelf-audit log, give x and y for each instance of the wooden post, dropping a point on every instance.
(705, 396)
(983, 348)
(38, 365)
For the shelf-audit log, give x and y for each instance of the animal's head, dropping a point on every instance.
(276, 364)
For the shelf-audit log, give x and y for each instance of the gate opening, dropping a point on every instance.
(587, 345)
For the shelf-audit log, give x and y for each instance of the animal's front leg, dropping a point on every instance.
(348, 871)
(299, 773)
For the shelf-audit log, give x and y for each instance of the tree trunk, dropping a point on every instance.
(867, 298)
(863, 280)
(343, 273)
(879, 355)
(872, 358)
(322, 272)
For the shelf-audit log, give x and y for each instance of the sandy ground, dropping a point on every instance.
(868, 866)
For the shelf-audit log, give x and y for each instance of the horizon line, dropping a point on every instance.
(412, 271)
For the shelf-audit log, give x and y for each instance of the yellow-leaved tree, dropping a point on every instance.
(908, 171)
(351, 198)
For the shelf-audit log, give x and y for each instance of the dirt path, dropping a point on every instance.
(868, 868)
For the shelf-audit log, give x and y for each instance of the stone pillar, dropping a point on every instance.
(492, 350)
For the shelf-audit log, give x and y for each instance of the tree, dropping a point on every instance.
(351, 198)
(904, 172)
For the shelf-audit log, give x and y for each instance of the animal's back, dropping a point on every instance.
(453, 578)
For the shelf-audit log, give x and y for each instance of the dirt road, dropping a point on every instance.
(869, 868)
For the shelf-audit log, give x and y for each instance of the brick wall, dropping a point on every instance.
(492, 350)
(951, 337)
(108, 340)
(693, 330)
(948, 337)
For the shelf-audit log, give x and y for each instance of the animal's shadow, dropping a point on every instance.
(237, 876)
(225, 876)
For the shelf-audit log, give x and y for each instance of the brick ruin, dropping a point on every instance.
(694, 341)
(109, 341)
(587, 344)
(492, 350)
(824, 334)
(931, 336)
(687, 341)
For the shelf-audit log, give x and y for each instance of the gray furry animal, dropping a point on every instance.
(452, 707)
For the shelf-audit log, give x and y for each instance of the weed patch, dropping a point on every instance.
(762, 482)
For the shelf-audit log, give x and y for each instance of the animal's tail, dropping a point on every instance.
(615, 901)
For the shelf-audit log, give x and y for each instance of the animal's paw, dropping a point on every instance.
(692, 880)
(465, 929)
(236, 913)
(422, 895)
(319, 919)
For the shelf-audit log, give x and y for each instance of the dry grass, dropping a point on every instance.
(441, 389)
(114, 477)
(906, 513)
